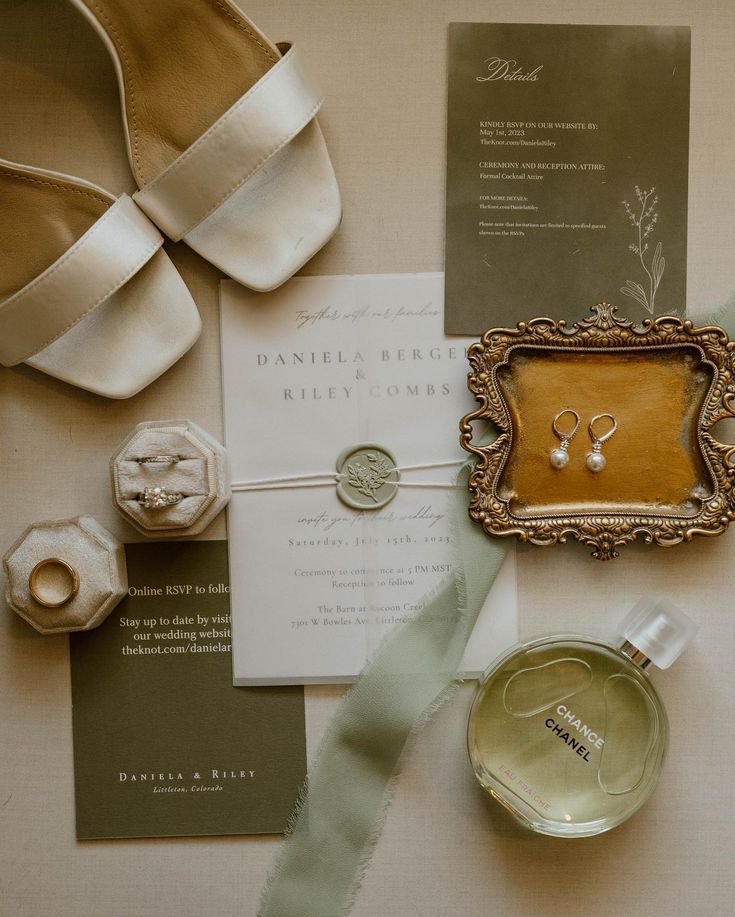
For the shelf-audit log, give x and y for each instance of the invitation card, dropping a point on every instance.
(310, 371)
(567, 164)
(163, 743)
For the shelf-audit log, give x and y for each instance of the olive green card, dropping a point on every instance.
(567, 165)
(163, 743)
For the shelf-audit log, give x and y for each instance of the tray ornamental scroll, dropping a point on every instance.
(666, 477)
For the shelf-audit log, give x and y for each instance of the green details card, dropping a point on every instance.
(163, 743)
(567, 165)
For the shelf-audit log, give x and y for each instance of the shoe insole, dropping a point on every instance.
(184, 63)
(42, 216)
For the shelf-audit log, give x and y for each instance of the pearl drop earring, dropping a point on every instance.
(559, 457)
(596, 461)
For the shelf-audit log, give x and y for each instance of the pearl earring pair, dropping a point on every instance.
(595, 460)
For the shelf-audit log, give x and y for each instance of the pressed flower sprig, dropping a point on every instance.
(368, 479)
(644, 222)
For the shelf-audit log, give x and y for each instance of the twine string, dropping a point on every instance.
(332, 478)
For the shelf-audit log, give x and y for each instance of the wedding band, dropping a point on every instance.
(43, 587)
(158, 460)
(158, 497)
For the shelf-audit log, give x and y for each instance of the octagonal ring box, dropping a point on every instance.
(96, 556)
(197, 474)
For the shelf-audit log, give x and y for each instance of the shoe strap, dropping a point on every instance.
(112, 251)
(235, 147)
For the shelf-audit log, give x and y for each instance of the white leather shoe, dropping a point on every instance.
(86, 293)
(222, 135)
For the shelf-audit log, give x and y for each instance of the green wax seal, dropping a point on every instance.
(367, 476)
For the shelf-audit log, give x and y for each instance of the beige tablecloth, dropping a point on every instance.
(444, 850)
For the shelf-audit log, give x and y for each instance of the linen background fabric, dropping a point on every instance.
(445, 849)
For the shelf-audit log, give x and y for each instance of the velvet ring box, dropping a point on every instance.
(170, 478)
(76, 569)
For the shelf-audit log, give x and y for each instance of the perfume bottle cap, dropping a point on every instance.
(658, 629)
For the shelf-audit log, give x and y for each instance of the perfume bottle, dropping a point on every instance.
(568, 733)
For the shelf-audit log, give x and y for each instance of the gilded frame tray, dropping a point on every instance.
(667, 478)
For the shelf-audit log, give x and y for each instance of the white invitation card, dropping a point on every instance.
(311, 370)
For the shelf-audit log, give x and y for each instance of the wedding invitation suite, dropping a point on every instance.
(567, 165)
(163, 743)
(310, 371)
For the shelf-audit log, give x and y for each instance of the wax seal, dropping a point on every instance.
(367, 476)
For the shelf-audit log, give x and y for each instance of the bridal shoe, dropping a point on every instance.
(222, 135)
(86, 293)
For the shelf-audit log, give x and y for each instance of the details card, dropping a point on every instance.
(163, 743)
(567, 164)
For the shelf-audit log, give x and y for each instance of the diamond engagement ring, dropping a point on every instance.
(158, 460)
(158, 497)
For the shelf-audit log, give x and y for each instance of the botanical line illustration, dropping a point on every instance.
(644, 222)
(368, 479)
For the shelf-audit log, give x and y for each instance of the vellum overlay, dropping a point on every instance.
(314, 368)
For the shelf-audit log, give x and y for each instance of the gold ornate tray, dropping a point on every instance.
(666, 383)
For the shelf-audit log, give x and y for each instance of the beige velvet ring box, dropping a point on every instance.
(170, 478)
(65, 575)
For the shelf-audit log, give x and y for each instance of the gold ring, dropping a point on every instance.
(53, 565)
(158, 460)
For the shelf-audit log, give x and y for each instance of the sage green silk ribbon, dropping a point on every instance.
(341, 812)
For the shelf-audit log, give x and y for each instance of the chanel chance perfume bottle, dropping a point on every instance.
(568, 733)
